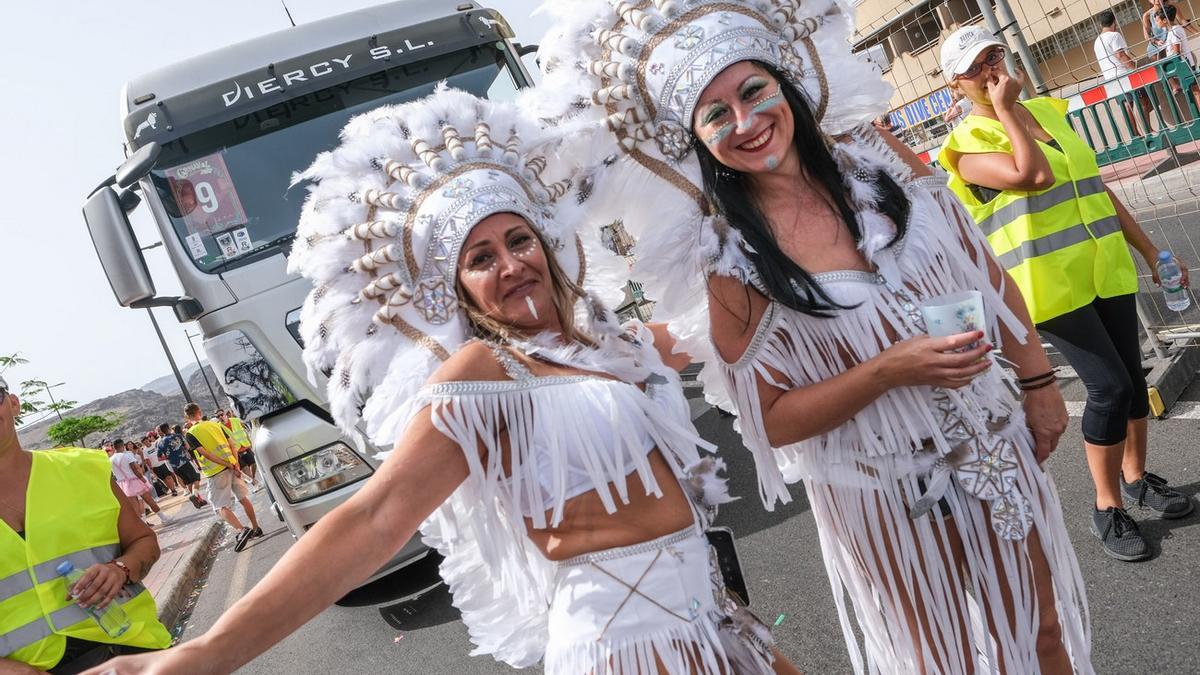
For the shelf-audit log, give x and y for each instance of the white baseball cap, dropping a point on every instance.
(960, 49)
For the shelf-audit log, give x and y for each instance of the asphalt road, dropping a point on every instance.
(1144, 615)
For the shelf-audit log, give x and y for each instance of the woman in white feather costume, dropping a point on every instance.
(789, 246)
(548, 456)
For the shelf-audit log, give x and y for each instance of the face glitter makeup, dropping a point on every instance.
(768, 102)
(762, 105)
(526, 249)
(491, 267)
(532, 308)
(720, 134)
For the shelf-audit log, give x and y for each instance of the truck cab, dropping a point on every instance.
(217, 139)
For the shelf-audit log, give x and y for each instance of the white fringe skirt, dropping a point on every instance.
(942, 593)
(654, 607)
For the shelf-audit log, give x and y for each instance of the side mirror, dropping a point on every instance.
(117, 248)
(522, 50)
(138, 165)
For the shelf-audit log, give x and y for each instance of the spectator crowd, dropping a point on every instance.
(173, 459)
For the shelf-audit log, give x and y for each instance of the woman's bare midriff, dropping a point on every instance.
(587, 527)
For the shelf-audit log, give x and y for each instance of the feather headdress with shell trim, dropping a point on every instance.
(633, 71)
(380, 236)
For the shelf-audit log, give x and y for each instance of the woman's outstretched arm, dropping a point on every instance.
(344, 548)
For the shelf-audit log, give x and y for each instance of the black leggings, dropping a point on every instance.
(1102, 343)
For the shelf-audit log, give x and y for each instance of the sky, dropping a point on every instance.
(62, 77)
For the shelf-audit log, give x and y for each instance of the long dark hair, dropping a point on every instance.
(731, 193)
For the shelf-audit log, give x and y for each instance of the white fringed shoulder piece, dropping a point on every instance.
(941, 253)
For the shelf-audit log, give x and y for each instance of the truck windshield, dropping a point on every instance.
(226, 188)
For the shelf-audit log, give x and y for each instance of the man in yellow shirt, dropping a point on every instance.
(210, 441)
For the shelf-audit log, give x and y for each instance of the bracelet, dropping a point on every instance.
(1035, 378)
(124, 568)
(1049, 381)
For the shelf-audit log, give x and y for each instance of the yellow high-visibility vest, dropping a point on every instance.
(1062, 245)
(72, 515)
(237, 431)
(215, 440)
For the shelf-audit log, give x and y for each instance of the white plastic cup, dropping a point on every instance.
(954, 314)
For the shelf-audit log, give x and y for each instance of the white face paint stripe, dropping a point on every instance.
(762, 105)
(532, 307)
(720, 134)
(769, 102)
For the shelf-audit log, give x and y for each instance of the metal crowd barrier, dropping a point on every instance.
(1147, 158)
(1113, 117)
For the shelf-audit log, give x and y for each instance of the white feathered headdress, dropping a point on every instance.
(381, 231)
(633, 72)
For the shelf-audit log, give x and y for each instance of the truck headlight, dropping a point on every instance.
(320, 471)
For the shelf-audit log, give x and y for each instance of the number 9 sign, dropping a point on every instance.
(206, 183)
(207, 197)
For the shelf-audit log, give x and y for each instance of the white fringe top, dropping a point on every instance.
(499, 581)
(941, 252)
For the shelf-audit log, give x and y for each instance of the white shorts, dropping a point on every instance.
(679, 613)
(222, 487)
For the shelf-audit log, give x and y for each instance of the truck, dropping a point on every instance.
(211, 145)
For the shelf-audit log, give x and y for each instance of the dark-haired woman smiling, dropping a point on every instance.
(828, 359)
(803, 255)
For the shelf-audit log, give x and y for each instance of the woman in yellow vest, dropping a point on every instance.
(1034, 188)
(57, 506)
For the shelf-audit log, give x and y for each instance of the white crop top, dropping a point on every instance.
(570, 470)
(565, 435)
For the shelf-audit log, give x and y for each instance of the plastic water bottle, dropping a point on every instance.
(1171, 279)
(112, 619)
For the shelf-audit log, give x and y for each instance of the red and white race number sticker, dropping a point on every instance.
(205, 195)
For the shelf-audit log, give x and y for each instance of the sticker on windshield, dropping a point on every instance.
(241, 237)
(205, 195)
(196, 246)
(225, 243)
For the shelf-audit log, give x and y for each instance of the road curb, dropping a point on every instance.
(173, 601)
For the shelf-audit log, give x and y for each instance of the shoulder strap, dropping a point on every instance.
(512, 367)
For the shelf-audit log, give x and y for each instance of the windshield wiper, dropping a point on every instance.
(252, 254)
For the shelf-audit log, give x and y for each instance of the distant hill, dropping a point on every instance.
(167, 386)
(140, 409)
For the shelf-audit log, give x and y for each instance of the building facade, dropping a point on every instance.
(904, 39)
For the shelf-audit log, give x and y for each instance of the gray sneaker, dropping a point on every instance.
(1152, 492)
(1119, 534)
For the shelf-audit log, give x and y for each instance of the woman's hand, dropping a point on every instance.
(1004, 89)
(932, 361)
(1152, 263)
(1046, 417)
(190, 658)
(98, 586)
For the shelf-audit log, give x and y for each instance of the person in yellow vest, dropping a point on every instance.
(209, 440)
(241, 437)
(1033, 186)
(64, 506)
